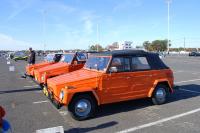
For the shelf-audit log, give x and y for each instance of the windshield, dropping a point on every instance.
(99, 63)
(81, 57)
(67, 58)
(49, 57)
(20, 54)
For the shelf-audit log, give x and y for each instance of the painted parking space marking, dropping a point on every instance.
(8, 62)
(11, 68)
(178, 71)
(38, 102)
(192, 80)
(58, 129)
(31, 86)
(159, 121)
(189, 90)
(195, 73)
(63, 113)
(38, 91)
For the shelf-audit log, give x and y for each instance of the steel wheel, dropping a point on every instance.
(160, 95)
(82, 107)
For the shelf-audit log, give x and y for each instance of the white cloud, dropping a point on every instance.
(9, 43)
(19, 6)
(89, 20)
(88, 26)
(58, 6)
(127, 4)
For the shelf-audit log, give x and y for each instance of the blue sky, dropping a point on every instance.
(70, 24)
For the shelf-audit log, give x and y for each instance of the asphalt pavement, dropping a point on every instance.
(28, 110)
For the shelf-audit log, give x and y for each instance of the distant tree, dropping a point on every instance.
(156, 45)
(113, 46)
(96, 47)
(147, 45)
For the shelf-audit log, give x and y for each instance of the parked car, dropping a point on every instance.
(112, 77)
(20, 56)
(69, 62)
(194, 54)
(49, 60)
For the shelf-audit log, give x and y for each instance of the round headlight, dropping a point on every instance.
(61, 95)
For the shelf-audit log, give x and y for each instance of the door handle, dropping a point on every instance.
(128, 77)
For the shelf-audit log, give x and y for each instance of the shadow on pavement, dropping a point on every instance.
(20, 90)
(88, 129)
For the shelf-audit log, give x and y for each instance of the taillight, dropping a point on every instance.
(170, 74)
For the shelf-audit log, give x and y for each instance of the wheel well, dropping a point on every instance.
(84, 93)
(166, 84)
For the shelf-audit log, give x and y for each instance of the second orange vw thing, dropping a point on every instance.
(68, 63)
(112, 77)
(49, 60)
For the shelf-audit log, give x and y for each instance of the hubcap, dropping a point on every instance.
(161, 94)
(83, 107)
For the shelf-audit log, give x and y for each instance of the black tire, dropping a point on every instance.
(162, 98)
(57, 104)
(82, 98)
(50, 96)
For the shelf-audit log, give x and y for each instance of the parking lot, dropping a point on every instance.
(28, 110)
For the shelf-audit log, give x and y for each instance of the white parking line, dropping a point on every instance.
(178, 71)
(58, 129)
(196, 73)
(189, 90)
(31, 86)
(159, 121)
(187, 81)
(46, 101)
(38, 91)
(63, 113)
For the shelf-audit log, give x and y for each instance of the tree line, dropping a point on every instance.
(156, 45)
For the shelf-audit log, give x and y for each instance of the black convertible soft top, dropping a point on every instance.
(153, 58)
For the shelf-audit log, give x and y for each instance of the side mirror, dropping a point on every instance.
(113, 69)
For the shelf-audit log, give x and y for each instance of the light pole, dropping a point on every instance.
(44, 29)
(184, 44)
(97, 38)
(168, 19)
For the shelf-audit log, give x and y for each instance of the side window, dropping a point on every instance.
(122, 64)
(140, 63)
(127, 66)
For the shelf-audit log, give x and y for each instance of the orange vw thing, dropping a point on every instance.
(68, 63)
(112, 77)
(49, 60)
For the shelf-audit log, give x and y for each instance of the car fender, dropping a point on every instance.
(71, 92)
(155, 84)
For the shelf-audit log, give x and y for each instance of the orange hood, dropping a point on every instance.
(41, 64)
(56, 66)
(74, 78)
(38, 65)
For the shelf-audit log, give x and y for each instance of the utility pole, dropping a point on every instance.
(184, 43)
(168, 20)
(44, 29)
(97, 38)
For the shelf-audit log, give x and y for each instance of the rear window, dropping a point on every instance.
(140, 63)
(80, 57)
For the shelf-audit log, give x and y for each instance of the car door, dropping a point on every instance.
(141, 77)
(115, 85)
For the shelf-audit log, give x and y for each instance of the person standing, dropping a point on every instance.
(31, 59)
